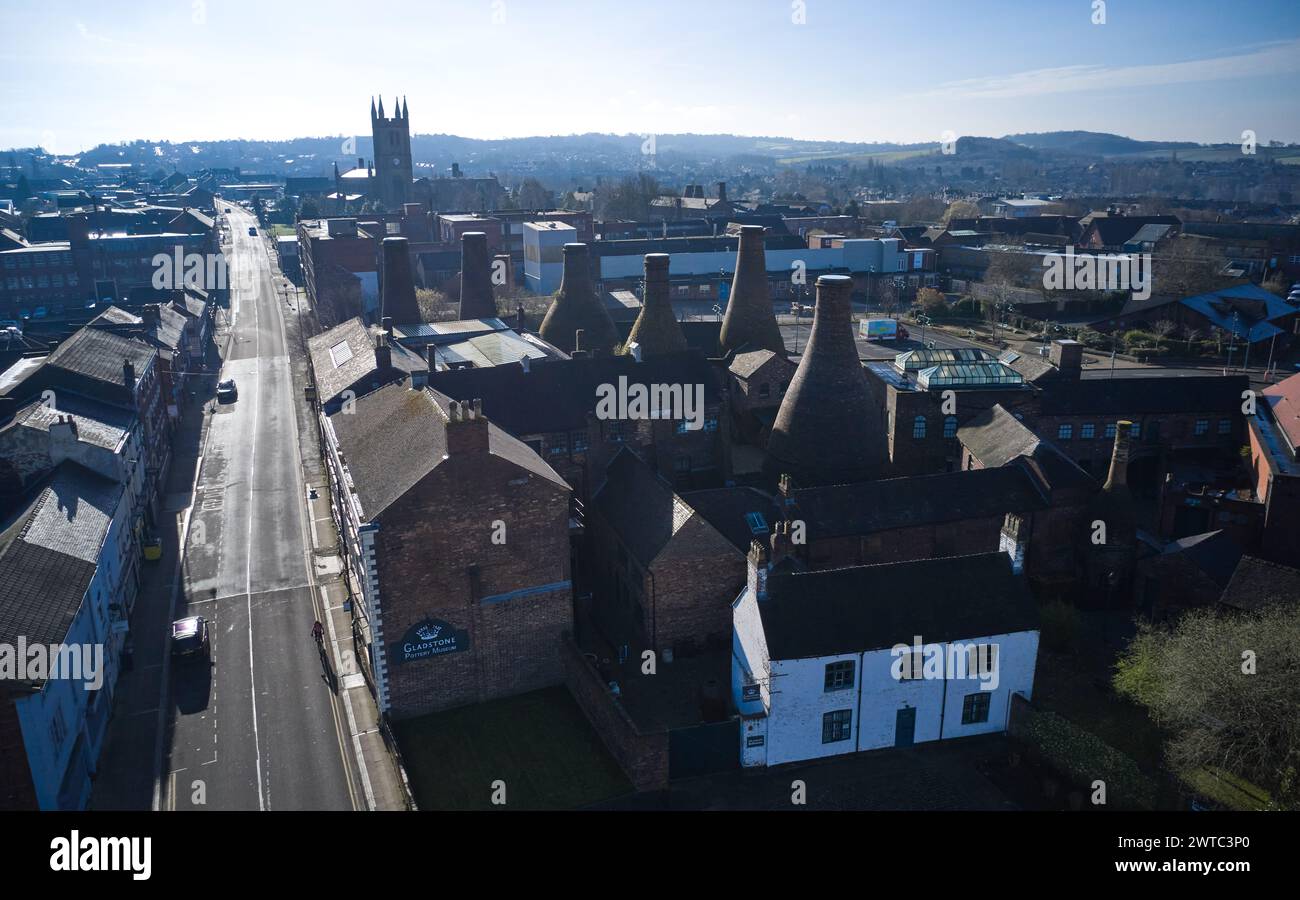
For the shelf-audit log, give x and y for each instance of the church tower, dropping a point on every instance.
(394, 171)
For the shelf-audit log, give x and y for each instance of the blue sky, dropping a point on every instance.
(78, 73)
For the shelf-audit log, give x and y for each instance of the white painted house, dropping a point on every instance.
(815, 672)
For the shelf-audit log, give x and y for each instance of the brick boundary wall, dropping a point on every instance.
(643, 757)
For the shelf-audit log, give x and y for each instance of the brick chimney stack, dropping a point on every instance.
(63, 438)
(128, 374)
(576, 308)
(1067, 357)
(750, 320)
(467, 429)
(656, 329)
(827, 430)
(477, 299)
(759, 563)
(383, 354)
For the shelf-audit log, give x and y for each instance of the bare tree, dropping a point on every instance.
(1162, 329)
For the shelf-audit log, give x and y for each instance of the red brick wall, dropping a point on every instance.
(695, 579)
(643, 757)
(436, 558)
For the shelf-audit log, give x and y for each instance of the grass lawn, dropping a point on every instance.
(539, 744)
(1228, 789)
(1070, 691)
(282, 230)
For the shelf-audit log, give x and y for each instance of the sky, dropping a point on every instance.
(81, 73)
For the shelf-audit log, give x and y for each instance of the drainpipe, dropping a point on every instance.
(943, 703)
(861, 659)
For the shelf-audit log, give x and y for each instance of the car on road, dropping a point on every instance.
(227, 392)
(190, 637)
(252, 232)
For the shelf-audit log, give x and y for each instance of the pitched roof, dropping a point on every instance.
(1143, 394)
(745, 364)
(49, 553)
(394, 436)
(557, 395)
(824, 613)
(1246, 310)
(639, 505)
(1215, 553)
(1257, 583)
(739, 514)
(1283, 400)
(344, 356)
(869, 506)
(103, 426)
(995, 437)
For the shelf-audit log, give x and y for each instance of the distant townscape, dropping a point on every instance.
(406, 471)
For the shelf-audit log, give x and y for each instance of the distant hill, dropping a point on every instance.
(1093, 143)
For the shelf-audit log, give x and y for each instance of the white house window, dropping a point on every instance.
(1087, 431)
(1110, 430)
(839, 675)
(950, 426)
(975, 708)
(913, 666)
(1225, 426)
(578, 441)
(1135, 431)
(1065, 432)
(1202, 427)
(918, 427)
(837, 726)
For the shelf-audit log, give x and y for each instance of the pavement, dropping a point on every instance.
(269, 722)
(940, 775)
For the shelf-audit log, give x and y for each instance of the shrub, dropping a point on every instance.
(1085, 758)
(1059, 625)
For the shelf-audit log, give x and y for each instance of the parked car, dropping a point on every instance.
(252, 232)
(227, 392)
(190, 637)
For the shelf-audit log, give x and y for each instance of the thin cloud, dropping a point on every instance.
(1271, 59)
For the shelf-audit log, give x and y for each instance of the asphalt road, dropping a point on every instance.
(257, 728)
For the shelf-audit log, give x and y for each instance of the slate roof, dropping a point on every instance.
(1139, 394)
(639, 505)
(557, 395)
(103, 426)
(726, 510)
(824, 613)
(49, 553)
(98, 355)
(1117, 230)
(394, 436)
(1215, 553)
(745, 364)
(870, 506)
(1257, 583)
(337, 370)
(995, 437)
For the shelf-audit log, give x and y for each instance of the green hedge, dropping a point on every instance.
(1084, 758)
